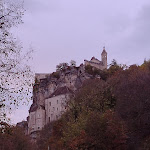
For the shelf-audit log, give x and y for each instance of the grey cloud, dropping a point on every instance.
(40, 6)
(61, 30)
(133, 42)
(141, 34)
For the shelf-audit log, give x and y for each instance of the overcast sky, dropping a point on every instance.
(64, 30)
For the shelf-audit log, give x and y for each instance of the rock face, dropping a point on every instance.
(52, 91)
(50, 95)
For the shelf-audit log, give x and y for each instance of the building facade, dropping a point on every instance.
(94, 62)
(51, 94)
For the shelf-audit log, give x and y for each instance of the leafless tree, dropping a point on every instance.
(15, 75)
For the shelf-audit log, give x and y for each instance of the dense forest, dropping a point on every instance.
(107, 113)
(111, 113)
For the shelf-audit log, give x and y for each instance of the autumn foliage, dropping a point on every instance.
(111, 113)
(13, 138)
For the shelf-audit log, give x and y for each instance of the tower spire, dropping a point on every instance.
(104, 57)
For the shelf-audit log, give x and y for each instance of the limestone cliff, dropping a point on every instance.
(72, 78)
(51, 92)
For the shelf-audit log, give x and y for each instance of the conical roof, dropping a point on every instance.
(104, 51)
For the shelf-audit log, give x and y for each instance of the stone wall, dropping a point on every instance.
(93, 64)
(36, 120)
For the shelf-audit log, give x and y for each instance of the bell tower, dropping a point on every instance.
(104, 58)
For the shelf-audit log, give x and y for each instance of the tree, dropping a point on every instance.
(44, 135)
(13, 138)
(15, 74)
(73, 63)
(62, 66)
(131, 89)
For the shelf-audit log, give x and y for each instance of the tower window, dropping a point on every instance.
(50, 103)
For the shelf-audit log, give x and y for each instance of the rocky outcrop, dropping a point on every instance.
(52, 91)
(45, 87)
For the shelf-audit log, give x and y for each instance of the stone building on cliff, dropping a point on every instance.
(94, 62)
(51, 93)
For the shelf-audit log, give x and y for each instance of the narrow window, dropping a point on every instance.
(49, 119)
(50, 103)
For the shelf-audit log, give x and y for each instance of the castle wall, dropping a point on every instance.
(97, 63)
(93, 64)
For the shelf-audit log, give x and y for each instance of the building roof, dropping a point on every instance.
(104, 51)
(61, 91)
(34, 107)
(91, 62)
(93, 58)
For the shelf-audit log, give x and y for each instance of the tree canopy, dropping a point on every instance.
(107, 113)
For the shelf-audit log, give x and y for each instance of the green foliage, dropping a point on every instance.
(91, 130)
(106, 73)
(146, 65)
(95, 94)
(62, 67)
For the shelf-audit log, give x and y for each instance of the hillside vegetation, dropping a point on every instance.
(111, 113)
(107, 113)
